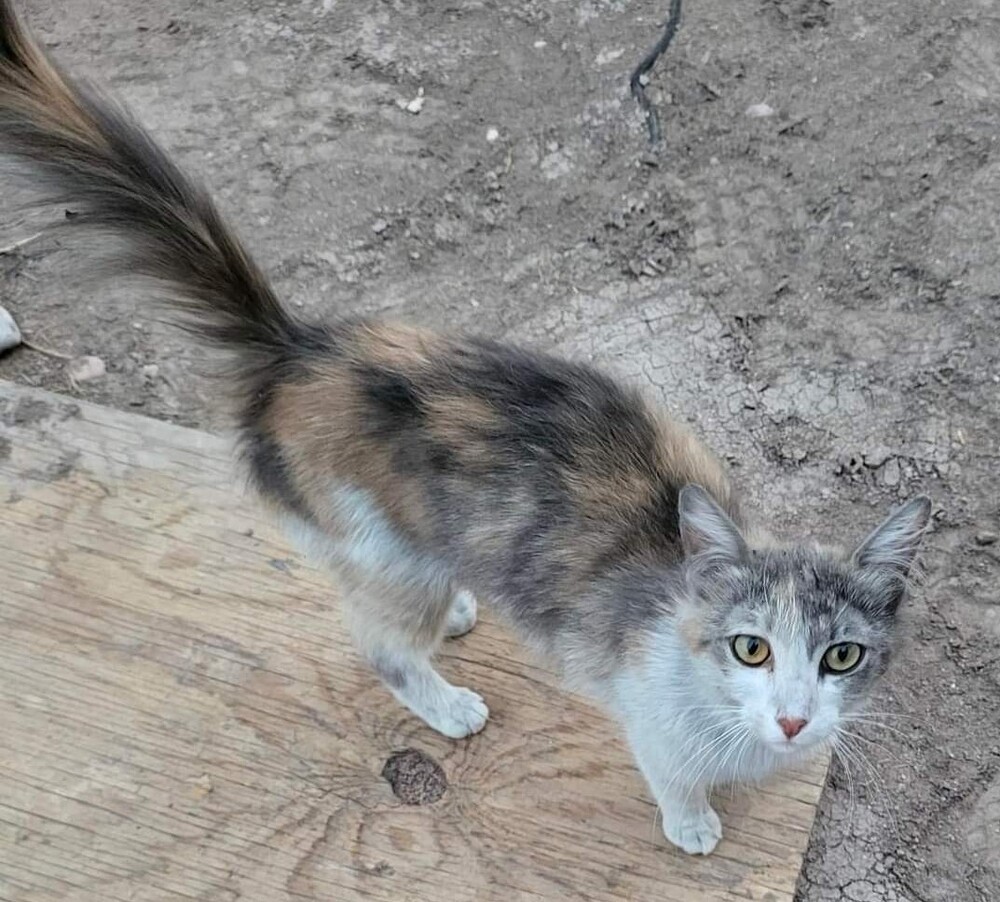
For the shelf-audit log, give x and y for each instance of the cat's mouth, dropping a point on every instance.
(787, 748)
(798, 746)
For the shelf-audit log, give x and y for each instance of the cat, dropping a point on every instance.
(429, 472)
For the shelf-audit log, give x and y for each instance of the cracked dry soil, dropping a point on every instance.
(817, 290)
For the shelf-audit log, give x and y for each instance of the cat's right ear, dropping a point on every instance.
(706, 528)
(893, 545)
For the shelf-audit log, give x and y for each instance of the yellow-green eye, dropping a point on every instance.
(842, 658)
(751, 650)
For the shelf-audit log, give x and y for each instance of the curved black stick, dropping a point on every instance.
(635, 83)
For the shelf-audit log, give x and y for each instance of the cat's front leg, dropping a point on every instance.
(689, 821)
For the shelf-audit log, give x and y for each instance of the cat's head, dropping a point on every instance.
(791, 640)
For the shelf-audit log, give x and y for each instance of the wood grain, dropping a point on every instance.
(182, 716)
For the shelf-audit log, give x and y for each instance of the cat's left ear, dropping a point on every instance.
(706, 528)
(892, 547)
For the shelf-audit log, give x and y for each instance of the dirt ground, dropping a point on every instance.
(818, 290)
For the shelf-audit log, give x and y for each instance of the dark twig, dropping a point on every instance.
(637, 84)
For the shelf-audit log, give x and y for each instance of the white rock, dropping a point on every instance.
(492, 134)
(85, 369)
(760, 111)
(10, 335)
(417, 104)
(540, 44)
(891, 472)
(608, 56)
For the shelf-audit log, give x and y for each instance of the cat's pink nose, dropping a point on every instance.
(792, 726)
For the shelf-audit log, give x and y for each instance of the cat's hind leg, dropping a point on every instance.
(461, 614)
(398, 605)
(397, 629)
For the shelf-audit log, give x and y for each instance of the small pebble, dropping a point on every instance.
(10, 334)
(492, 134)
(85, 369)
(417, 104)
(379, 226)
(150, 371)
(875, 456)
(987, 538)
(759, 111)
(891, 473)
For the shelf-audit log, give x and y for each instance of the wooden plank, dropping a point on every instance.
(182, 716)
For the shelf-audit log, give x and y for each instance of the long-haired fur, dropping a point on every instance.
(427, 470)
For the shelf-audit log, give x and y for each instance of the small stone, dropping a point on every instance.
(150, 371)
(379, 226)
(876, 456)
(492, 134)
(85, 369)
(794, 453)
(417, 104)
(540, 44)
(10, 334)
(759, 111)
(987, 538)
(891, 473)
(608, 56)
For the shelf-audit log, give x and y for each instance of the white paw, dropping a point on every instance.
(697, 832)
(461, 614)
(461, 713)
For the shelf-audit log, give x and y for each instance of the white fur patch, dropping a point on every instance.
(366, 540)
(695, 830)
(461, 614)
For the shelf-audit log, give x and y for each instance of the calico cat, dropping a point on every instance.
(428, 471)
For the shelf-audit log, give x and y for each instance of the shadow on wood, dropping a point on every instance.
(183, 716)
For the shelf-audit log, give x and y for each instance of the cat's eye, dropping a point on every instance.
(750, 650)
(843, 658)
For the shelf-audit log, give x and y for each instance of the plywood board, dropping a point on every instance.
(182, 716)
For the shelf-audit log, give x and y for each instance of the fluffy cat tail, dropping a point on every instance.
(81, 149)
